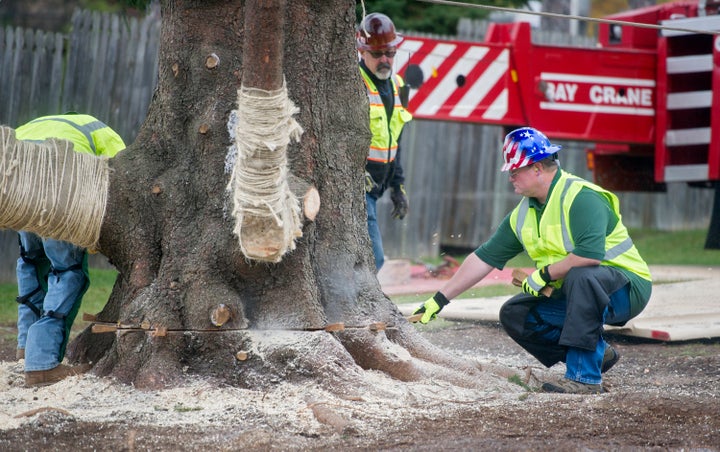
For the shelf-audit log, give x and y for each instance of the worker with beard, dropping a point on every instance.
(377, 43)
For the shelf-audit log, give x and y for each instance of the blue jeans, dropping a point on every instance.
(64, 267)
(584, 365)
(374, 231)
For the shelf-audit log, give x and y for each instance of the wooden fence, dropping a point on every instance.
(107, 67)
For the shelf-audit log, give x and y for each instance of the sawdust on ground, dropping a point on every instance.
(662, 397)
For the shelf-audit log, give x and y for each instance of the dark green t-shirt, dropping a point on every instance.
(592, 219)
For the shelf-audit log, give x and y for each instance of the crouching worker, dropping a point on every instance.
(53, 275)
(573, 231)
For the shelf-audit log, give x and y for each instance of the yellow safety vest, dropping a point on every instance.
(384, 143)
(551, 240)
(86, 133)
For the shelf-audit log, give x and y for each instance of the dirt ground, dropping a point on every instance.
(662, 396)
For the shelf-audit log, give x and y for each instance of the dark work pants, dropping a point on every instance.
(571, 321)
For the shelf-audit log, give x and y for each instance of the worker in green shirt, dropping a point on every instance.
(573, 231)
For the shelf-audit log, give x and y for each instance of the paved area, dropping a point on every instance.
(685, 303)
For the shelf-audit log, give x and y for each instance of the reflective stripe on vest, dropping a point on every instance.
(384, 144)
(88, 134)
(620, 250)
(611, 253)
(85, 129)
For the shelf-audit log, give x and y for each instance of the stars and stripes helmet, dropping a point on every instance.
(525, 146)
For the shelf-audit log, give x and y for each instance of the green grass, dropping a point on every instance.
(101, 285)
(674, 248)
(8, 307)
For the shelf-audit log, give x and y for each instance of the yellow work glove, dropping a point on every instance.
(431, 307)
(534, 283)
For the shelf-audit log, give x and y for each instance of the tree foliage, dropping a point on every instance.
(428, 17)
(139, 4)
(409, 14)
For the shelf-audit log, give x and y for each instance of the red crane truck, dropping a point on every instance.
(648, 98)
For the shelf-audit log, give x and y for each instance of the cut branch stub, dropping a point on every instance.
(311, 203)
(309, 195)
(220, 315)
(212, 61)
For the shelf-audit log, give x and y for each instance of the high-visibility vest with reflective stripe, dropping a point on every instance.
(87, 133)
(551, 240)
(384, 144)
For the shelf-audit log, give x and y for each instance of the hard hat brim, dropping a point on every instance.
(394, 43)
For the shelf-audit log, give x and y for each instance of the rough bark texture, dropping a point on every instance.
(169, 232)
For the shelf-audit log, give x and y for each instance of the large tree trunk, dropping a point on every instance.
(169, 231)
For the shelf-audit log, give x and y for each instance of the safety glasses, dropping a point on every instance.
(378, 53)
(514, 173)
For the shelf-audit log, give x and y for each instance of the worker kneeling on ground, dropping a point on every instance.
(53, 274)
(573, 231)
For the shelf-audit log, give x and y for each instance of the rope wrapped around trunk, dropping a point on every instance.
(51, 190)
(266, 212)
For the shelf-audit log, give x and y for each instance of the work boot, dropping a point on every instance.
(50, 376)
(610, 358)
(20, 354)
(566, 386)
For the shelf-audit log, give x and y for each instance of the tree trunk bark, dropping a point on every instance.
(169, 232)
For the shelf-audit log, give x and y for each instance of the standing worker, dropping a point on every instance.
(377, 43)
(573, 231)
(52, 274)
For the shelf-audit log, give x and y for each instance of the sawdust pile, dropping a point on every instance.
(662, 397)
(304, 409)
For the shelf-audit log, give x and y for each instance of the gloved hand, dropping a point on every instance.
(534, 283)
(369, 183)
(431, 307)
(400, 202)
